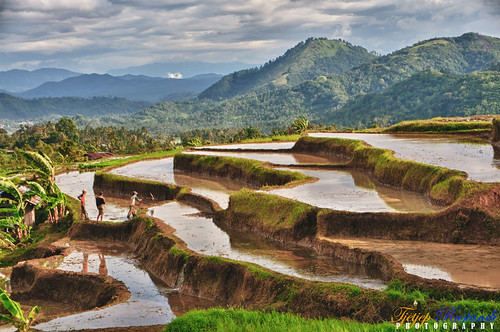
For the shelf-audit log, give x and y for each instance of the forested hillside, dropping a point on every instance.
(425, 95)
(326, 98)
(13, 108)
(306, 61)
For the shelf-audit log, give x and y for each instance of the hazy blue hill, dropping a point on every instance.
(17, 80)
(186, 68)
(306, 61)
(132, 87)
(15, 108)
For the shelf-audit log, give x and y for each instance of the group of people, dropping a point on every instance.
(101, 202)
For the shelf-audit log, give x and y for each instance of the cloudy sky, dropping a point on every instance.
(99, 35)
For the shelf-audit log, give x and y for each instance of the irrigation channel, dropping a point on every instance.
(335, 189)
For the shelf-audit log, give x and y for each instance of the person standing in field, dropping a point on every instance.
(100, 203)
(82, 197)
(133, 203)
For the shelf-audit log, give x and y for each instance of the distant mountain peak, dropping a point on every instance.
(305, 61)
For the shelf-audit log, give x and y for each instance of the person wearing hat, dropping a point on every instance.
(82, 196)
(133, 200)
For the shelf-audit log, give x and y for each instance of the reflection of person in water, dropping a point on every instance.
(103, 269)
(85, 262)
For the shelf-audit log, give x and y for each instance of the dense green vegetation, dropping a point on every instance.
(334, 83)
(306, 61)
(13, 108)
(439, 77)
(425, 95)
(246, 320)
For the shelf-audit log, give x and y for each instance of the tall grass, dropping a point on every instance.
(242, 320)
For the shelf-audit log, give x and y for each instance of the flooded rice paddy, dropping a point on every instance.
(335, 189)
(203, 236)
(151, 302)
(476, 159)
(466, 264)
(347, 190)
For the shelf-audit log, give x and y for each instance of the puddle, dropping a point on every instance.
(72, 184)
(467, 264)
(203, 236)
(475, 159)
(149, 301)
(354, 191)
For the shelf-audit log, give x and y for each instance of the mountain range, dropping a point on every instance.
(329, 81)
(17, 80)
(464, 62)
(132, 87)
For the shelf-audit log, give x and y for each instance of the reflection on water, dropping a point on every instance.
(475, 159)
(253, 146)
(347, 190)
(203, 236)
(147, 305)
(276, 158)
(468, 264)
(351, 190)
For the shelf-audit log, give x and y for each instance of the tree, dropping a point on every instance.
(300, 125)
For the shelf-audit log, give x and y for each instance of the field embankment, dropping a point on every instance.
(251, 172)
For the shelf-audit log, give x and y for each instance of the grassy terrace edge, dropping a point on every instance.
(441, 126)
(442, 185)
(246, 170)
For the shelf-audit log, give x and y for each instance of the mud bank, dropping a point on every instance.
(122, 187)
(279, 224)
(237, 283)
(254, 173)
(62, 291)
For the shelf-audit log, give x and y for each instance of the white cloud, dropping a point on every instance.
(174, 75)
(103, 34)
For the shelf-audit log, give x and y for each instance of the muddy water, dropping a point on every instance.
(253, 146)
(475, 159)
(203, 236)
(275, 158)
(217, 189)
(72, 184)
(347, 190)
(468, 264)
(354, 191)
(149, 300)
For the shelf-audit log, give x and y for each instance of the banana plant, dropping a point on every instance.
(11, 213)
(21, 320)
